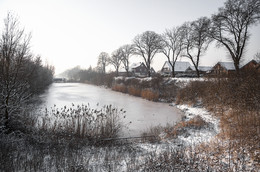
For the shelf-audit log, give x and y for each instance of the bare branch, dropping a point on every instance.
(147, 45)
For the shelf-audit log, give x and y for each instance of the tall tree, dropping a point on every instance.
(230, 26)
(173, 44)
(116, 59)
(20, 75)
(103, 61)
(127, 51)
(14, 61)
(196, 40)
(147, 45)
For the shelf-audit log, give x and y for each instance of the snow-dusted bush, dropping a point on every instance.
(82, 121)
(236, 102)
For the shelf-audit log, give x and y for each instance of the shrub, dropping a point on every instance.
(119, 87)
(195, 123)
(83, 122)
(134, 91)
(150, 94)
(236, 101)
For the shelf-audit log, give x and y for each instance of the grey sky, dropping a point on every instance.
(73, 32)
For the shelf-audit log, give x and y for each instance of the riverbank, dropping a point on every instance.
(228, 125)
(201, 141)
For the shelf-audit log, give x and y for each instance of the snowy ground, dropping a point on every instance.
(192, 137)
(199, 136)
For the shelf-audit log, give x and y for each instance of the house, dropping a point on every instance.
(202, 70)
(179, 67)
(140, 70)
(250, 66)
(58, 80)
(223, 68)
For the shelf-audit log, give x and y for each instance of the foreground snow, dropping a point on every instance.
(199, 136)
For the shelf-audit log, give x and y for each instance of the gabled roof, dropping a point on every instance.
(227, 65)
(178, 67)
(250, 62)
(136, 65)
(201, 68)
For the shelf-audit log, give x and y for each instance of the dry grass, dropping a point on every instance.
(150, 95)
(83, 122)
(119, 87)
(195, 123)
(134, 91)
(236, 102)
(151, 89)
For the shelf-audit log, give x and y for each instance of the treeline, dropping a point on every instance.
(21, 74)
(90, 76)
(228, 28)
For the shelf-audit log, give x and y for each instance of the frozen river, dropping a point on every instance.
(140, 112)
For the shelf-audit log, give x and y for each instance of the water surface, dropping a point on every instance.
(142, 113)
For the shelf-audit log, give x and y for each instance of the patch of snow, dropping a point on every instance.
(118, 78)
(199, 136)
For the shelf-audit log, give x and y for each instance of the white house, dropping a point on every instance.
(202, 69)
(137, 69)
(179, 67)
(223, 68)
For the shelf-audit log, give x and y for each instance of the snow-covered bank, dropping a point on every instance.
(195, 137)
(191, 137)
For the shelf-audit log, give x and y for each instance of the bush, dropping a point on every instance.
(180, 128)
(119, 87)
(134, 91)
(82, 122)
(236, 101)
(150, 94)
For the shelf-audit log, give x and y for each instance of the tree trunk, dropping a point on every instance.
(236, 64)
(148, 67)
(149, 72)
(198, 72)
(6, 124)
(117, 72)
(173, 72)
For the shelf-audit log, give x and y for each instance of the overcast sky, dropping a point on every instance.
(74, 32)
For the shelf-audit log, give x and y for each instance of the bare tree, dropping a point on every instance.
(127, 51)
(173, 44)
(14, 61)
(116, 59)
(230, 26)
(196, 40)
(257, 57)
(147, 45)
(103, 61)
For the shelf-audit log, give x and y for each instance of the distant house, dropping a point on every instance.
(250, 66)
(179, 67)
(258, 67)
(202, 69)
(58, 80)
(140, 70)
(223, 68)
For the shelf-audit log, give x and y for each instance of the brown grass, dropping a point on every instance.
(134, 91)
(150, 94)
(236, 101)
(119, 87)
(195, 123)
